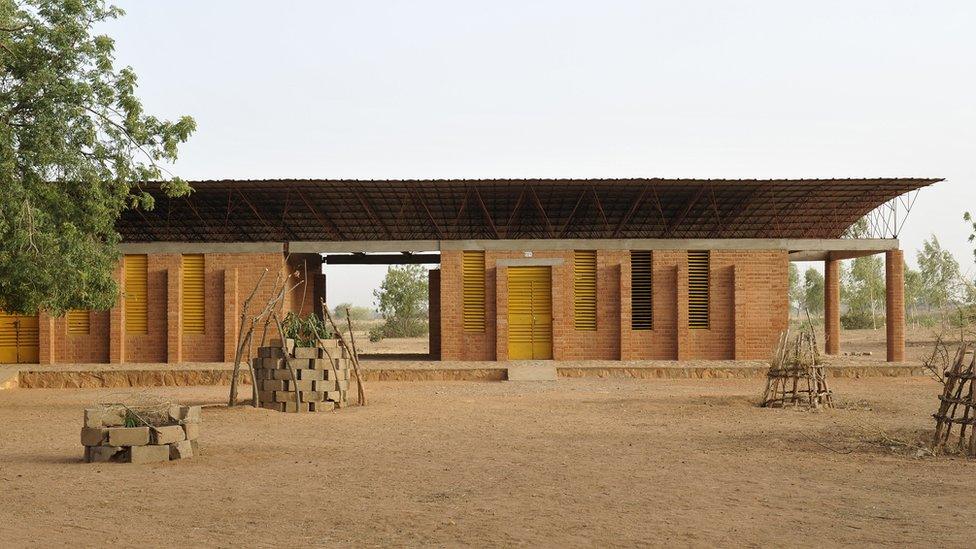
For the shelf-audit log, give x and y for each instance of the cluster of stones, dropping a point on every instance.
(321, 376)
(106, 438)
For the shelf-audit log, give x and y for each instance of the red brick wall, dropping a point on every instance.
(219, 340)
(748, 308)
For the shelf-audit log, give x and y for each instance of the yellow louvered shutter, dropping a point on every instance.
(136, 293)
(698, 289)
(193, 294)
(584, 290)
(473, 290)
(641, 291)
(19, 338)
(79, 322)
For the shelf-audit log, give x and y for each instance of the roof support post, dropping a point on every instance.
(832, 306)
(895, 304)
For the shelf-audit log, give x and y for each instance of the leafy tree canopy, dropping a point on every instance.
(74, 145)
(402, 300)
(813, 290)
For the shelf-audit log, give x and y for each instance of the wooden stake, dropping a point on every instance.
(360, 391)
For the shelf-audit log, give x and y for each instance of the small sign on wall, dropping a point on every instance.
(527, 254)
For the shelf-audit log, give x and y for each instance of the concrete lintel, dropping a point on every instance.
(365, 246)
(201, 247)
(790, 244)
(530, 262)
(814, 255)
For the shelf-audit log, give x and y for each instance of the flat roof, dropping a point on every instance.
(344, 210)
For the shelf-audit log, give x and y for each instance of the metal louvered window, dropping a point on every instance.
(584, 290)
(698, 289)
(473, 290)
(136, 292)
(641, 291)
(194, 296)
(78, 322)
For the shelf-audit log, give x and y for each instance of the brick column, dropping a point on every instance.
(681, 331)
(739, 324)
(174, 320)
(895, 304)
(116, 330)
(230, 315)
(832, 306)
(45, 338)
(433, 313)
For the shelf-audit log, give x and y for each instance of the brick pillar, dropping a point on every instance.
(895, 304)
(116, 316)
(174, 320)
(501, 314)
(45, 338)
(832, 306)
(230, 315)
(683, 343)
(626, 342)
(739, 346)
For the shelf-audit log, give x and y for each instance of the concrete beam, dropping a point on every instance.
(201, 247)
(846, 245)
(815, 255)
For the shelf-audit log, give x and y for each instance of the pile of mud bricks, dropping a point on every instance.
(106, 438)
(322, 376)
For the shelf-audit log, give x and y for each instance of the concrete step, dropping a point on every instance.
(533, 371)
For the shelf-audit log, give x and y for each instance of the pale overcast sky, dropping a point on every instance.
(569, 89)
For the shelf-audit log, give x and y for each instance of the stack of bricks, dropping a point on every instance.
(171, 434)
(321, 376)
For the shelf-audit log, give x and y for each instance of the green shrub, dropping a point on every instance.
(375, 335)
(306, 331)
(859, 320)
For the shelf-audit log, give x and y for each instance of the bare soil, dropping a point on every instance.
(565, 463)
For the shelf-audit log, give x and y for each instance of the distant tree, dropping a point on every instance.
(863, 289)
(795, 291)
(75, 144)
(402, 300)
(914, 293)
(860, 229)
(357, 313)
(813, 291)
(941, 279)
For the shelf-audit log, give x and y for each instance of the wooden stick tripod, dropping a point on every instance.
(796, 374)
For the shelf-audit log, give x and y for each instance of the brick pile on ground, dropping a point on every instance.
(132, 435)
(321, 376)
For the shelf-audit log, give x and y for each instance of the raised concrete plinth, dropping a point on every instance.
(533, 371)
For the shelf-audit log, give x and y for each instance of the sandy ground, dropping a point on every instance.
(565, 463)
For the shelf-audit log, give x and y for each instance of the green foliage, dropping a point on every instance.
(357, 313)
(306, 331)
(402, 300)
(795, 292)
(375, 335)
(863, 289)
(941, 280)
(813, 291)
(74, 145)
(859, 320)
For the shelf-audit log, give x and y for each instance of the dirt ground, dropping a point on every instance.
(565, 463)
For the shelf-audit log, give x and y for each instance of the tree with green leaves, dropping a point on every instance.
(795, 291)
(813, 291)
(402, 300)
(863, 291)
(941, 279)
(75, 143)
(914, 294)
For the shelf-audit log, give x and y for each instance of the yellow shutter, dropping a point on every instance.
(136, 292)
(79, 322)
(584, 290)
(19, 338)
(698, 289)
(473, 290)
(193, 294)
(641, 291)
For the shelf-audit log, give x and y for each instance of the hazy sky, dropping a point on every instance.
(569, 89)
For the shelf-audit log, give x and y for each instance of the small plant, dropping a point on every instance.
(376, 335)
(306, 331)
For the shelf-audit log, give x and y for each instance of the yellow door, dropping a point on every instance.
(529, 313)
(18, 339)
